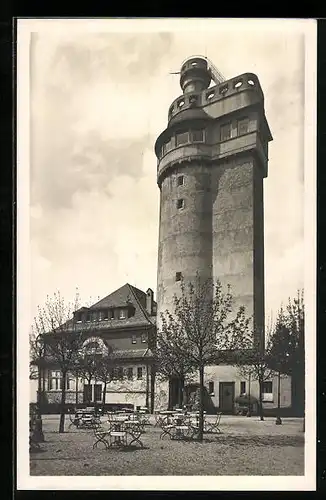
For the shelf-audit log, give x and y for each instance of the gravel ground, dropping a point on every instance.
(245, 447)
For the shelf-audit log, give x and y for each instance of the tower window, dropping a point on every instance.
(182, 138)
(134, 339)
(178, 276)
(180, 180)
(181, 103)
(243, 126)
(223, 89)
(139, 372)
(242, 387)
(198, 135)
(180, 203)
(238, 84)
(250, 82)
(225, 132)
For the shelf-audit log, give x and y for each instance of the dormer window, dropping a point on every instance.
(122, 314)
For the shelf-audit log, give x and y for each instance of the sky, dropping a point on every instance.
(98, 101)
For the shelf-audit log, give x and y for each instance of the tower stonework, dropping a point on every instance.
(212, 159)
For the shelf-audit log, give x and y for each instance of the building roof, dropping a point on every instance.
(123, 296)
(133, 353)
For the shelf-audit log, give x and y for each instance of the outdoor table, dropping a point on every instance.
(123, 432)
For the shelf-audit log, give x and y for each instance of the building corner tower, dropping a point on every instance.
(212, 159)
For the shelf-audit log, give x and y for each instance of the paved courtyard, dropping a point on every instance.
(246, 446)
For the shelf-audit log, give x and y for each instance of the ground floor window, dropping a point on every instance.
(92, 393)
(55, 381)
(243, 387)
(267, 391)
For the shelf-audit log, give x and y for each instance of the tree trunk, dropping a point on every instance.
(201, 404)
(147, 387)
(278, 420)
(261, 411)
(249, 395)
(39, 392)
(170, 394)
(76, 391)
(63, 403)
(181, 389)
(104, 394)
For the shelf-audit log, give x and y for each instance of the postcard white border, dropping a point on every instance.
(216, 483)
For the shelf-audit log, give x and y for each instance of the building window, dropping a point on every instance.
(55, 381)
(181, 103)
(130, 373)
(180, 180)
(210, 95)
(134, 339)
(268, 391)
(242, 387)
(211, 388)
(178, 276)
(111, 313)
(106, 314)
(193, 99)
(243, 126)
(139, 372)
(198, 135)
(143, 338)
(180, 203)
(237, 84)
(182, 138)
(79, 317)
(122, 314)
(97, 393)
(94, 316)
(88, 317)
(224, 89)
(225, 132)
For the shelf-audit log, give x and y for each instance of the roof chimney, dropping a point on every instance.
(149, 301)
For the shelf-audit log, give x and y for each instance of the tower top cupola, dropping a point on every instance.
(195, 75)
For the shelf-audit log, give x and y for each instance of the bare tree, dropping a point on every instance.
(59, 340)
(253, 361)
(168, 360)
(201, 328)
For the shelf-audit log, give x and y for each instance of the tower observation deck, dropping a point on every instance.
(211, 161)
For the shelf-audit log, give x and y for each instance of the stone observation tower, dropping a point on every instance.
(212, 159)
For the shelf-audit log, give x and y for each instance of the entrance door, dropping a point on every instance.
(226, 397)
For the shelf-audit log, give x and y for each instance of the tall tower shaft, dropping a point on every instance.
(212, 159)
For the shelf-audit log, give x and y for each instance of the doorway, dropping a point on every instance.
(226, 397)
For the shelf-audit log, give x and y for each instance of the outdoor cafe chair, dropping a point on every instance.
(213, 427)
(101, 435)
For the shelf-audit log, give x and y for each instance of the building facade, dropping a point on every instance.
(125, 323)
